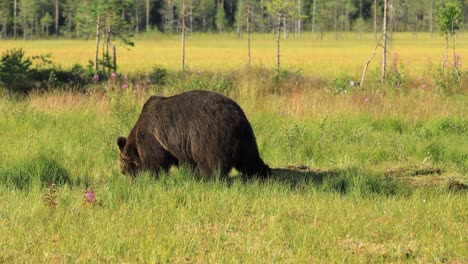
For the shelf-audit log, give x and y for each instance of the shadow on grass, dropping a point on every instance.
(32, 171)
(343, 181)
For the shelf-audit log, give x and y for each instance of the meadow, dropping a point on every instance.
(327, 58)
(375, 175)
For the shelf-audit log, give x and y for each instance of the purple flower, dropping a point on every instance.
(113, 75)
(95, 78)
(366, 100)
(90, 196)
(124, 86)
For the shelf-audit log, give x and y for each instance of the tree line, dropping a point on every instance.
(29, 19)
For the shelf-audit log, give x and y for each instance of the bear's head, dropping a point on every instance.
(129, 158)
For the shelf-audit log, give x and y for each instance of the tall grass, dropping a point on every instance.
(376, 175)
(340, 190)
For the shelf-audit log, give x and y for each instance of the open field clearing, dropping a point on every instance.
(328, 58)
(377, 174)
(345, 146)
(359, 177)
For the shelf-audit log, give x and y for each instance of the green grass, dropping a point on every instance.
(374, 187)
(181, 219)
(375, 175)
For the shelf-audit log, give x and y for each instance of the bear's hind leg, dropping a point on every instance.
(209, 170)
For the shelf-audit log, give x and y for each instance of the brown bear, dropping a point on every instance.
(203, 130)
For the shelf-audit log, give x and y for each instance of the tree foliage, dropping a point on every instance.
(14, 68)
(77, 17)
(450, 17)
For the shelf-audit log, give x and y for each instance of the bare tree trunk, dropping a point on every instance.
(285, 27)
(455, 66)
(444, 62)
(108, 43)
(203, 22)
(191, 17)
(137, 16)
(5, 20)
(56, 18)
(361, 83)
(384, 52)
(455, 59)
(183, 35)
(262, 13)
(77, 29)
(114, 57)
(238, 30)
(15, 14)
(96, 53)
(103, 56)
(431, 14)
(147, 14)
(313, 16)
(335, 24)
(375, 19)
(25, 23)
(278, 33)
(69, 24)
(360, 8)
(249, 13)
(4, 29)
(170, 15)
(299, 20)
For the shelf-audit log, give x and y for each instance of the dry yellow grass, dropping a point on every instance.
(326, 58)
(66, 101)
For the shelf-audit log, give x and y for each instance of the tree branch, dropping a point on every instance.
(368, 61)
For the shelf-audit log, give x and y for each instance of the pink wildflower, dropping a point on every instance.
(90, 196)
(124, 86)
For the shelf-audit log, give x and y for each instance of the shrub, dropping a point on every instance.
(18, 76)
(158, 76)
(14, 70)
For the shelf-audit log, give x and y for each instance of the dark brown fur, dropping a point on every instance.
(201, 129)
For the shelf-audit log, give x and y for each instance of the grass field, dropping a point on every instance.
(363, 176)
(326, 58)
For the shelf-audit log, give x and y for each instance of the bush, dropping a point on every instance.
(18, 76)
(14, 70)
(158, 76)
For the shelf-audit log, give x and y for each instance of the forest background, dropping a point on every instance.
(30, 19)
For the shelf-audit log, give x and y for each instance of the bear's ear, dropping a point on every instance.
(121, 142)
